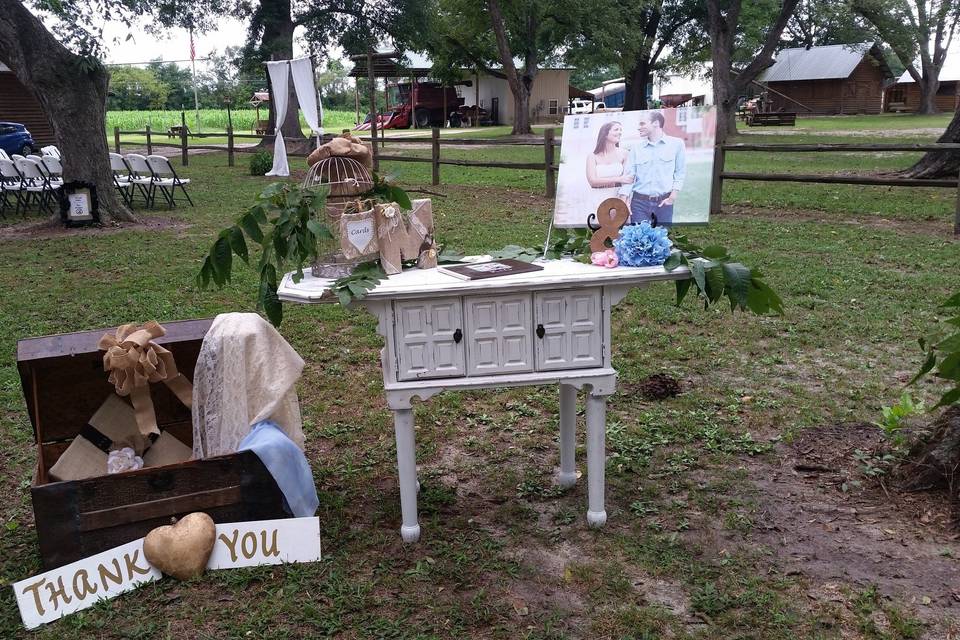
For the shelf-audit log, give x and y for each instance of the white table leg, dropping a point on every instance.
(407, 471)
(568, 442)
(596, 458)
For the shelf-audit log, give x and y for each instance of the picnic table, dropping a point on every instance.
(772, 119)
(177, 130)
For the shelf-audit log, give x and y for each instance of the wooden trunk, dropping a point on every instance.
(64, 384)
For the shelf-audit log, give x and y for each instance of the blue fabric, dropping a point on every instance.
(287, 464)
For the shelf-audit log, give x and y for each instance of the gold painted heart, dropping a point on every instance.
(182, 549)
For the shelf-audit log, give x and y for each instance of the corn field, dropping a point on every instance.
(214, 120)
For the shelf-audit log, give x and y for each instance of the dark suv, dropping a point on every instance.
(14, 138)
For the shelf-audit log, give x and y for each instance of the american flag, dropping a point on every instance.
(193, 51)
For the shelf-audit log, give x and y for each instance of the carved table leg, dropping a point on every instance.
(407, 470)
(568, 441)
(596, 458)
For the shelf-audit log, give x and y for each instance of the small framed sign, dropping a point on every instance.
(78, 204)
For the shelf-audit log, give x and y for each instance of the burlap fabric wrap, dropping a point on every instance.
(134, 360)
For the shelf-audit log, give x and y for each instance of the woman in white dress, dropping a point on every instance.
(606, 170)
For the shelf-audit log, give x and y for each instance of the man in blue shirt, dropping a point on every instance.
(659, 166)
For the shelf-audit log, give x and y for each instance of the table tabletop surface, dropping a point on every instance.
(413, 283)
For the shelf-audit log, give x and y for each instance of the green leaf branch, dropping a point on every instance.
(942, 349)
(715, 274)
(283, 221)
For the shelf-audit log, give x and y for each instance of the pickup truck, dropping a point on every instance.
(579, 105)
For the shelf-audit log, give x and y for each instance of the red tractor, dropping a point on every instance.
(426, 104)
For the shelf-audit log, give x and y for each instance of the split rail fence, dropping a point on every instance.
(550, 167)
(720, 174)
(184, 143)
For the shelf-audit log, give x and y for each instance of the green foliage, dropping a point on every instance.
(716, 275)
(260, 163)
(364, 277)
(283, 221)
(942, 347)
(243, 118)
(893, 416)
(135, 88)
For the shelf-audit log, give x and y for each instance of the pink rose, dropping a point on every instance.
(606, 258)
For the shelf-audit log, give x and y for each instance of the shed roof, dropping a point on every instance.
(950, 72)
(816, 63)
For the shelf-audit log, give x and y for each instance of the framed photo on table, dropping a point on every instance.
(78, 204)
(658, 162)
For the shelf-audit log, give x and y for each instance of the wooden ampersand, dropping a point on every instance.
(611, 215)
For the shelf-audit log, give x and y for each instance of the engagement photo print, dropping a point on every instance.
(659, 162)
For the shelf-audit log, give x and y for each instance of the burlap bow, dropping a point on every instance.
(134, 361)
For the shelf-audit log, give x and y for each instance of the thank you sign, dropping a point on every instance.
(82, 584)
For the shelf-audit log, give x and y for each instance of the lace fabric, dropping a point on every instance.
(246, 373)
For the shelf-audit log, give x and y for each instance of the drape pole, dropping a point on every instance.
(373, 109)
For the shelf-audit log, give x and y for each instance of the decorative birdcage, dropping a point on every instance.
(346, 180)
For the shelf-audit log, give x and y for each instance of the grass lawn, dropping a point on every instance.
(694, 546)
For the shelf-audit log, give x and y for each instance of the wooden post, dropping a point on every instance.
(230, 159)
(435, 154)
(956, 216)
(548, 159)
(116, 139)
(183, 138)
(373, 110)
(716, 183)
(149, 142)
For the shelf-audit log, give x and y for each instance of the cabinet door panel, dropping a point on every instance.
(426, 347)
(499, 334)
(572, 329)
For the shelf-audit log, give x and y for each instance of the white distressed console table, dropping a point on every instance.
(550, 326)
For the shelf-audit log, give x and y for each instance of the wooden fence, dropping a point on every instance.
(436, 141)
(720, 174)
(549, 164)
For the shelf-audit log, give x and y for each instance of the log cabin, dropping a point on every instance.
(904, 96)
(829, 80)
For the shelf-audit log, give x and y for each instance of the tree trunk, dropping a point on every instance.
(929, 84)
(723, 24)
(73, 93)
(940, 164)
(521, 111)
(278, 30)
(520, 87)
(636, 79)
(635, 96)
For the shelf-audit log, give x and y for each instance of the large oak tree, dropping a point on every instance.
(919, 32)
(71, 86)
(730, 30)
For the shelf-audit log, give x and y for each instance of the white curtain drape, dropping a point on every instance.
(302, 71)
(279, 76)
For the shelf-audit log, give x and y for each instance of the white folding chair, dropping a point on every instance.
(141, 177)
(54, 168)
(123, 179)
(167, 179)
(11, 182)
(15, 157)
(51, 150)
(36, 184)
(3, 155)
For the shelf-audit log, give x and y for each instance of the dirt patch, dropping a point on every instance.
(824, 521)
(53, 228)
(658, 386)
